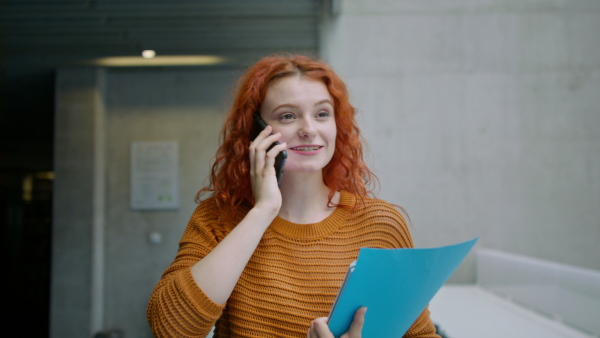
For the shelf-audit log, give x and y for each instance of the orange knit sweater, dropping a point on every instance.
(292, 278)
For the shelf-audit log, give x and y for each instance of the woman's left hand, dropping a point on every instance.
(319, 328)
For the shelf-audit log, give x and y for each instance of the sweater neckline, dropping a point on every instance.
(320, 229)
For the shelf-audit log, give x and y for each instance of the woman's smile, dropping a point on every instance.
(306, 150)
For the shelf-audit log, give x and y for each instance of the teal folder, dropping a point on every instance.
(395, 285)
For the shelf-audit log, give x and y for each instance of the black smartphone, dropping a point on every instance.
(260, 125)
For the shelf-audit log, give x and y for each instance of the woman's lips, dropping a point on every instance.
(306, 150)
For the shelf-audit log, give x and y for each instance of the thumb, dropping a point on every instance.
(358, 322)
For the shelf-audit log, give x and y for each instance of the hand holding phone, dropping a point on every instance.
(260, 125)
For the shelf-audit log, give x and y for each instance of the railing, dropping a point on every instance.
(567, 293)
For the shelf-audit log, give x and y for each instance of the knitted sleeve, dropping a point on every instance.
(177, 306)
(422, 327)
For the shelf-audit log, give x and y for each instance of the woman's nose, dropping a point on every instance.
(307, 128)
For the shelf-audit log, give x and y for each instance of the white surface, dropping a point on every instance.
(471, 312)
(556, 290)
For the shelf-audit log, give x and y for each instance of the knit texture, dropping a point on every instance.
(292, 278)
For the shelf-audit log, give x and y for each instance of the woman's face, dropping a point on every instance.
(301, 109)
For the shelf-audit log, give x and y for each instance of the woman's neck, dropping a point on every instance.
(305, 198)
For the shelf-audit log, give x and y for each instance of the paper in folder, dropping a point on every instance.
(395, 285)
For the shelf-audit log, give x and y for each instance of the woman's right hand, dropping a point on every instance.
(266, 192)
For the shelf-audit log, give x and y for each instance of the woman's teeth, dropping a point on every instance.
(306, 148)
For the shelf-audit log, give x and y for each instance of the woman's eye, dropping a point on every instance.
(287, 116)
(323, 114)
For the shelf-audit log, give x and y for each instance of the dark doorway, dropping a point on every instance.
(26, 211)
(26, 180)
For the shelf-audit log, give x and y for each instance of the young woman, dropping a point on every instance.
(262, 260)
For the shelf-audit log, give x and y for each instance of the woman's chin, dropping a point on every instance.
(302, 170)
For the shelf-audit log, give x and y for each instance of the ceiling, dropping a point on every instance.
(38, 36)
(59, 32)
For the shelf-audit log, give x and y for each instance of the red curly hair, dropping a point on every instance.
(230, 176)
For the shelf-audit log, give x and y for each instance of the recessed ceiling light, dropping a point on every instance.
(148, 54)
(161, 60)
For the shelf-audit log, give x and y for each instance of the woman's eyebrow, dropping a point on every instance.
(285, 105)
(324, 101)
(290, 105)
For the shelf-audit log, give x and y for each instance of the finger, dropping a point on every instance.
(261, 147)
(268, 141)
(263, 144)
(311, 331)
(256, 160)
(357, 323)
(255, 148)
(321, 329)
(272, 154)
(252, 153)
(263, 134)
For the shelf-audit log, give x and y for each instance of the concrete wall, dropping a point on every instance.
(104, 265)
(79, 108)
(483, 118)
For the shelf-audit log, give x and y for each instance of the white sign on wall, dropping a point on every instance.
(154, 175)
